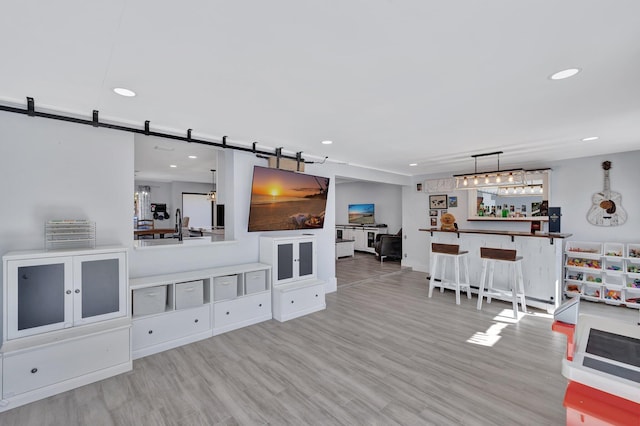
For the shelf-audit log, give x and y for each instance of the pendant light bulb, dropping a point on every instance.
(465, 182)
(498, 179)
(475, 180)
(486, 178)
(510, 177)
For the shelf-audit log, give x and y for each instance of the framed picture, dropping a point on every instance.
(433, 213)
(438, 201)
(453, 201)
(434, 221)
(443, 211)
(419, 187)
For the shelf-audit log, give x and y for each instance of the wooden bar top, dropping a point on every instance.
(506, 233)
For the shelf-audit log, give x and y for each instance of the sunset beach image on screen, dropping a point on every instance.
(282, 199)
(361, 213)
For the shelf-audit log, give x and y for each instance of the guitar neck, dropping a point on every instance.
(607, 186)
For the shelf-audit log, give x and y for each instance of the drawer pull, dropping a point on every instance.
(68, 292)
(150, 331)
(77, 290)
(196, 320)
(34, 370)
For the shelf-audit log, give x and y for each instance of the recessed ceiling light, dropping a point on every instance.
(124, 92)
(560, 75)
(413, 164)
(591, 138)
(172, 166)
(327, 142)
(193, 157)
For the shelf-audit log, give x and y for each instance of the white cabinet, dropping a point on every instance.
(296, 290)
(38, 367)
(65, 321)
(297, 299)
(245, 299)
(172, 310)
(62, 290)
(291, 258)
(603, 272)
(364, 237)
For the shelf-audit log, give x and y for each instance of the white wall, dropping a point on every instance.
(56, 170)
(387, 199)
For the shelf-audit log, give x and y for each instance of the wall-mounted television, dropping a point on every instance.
(362, 214)
(283, 199)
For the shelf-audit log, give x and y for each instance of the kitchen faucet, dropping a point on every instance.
(179, 224)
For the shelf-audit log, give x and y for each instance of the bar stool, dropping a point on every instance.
(439, 254)
(516, 291)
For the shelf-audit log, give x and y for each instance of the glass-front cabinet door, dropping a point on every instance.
(305, 259)
(51, 293)
(99, 292)
(37, 290)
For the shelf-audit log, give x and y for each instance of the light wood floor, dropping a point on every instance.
(362, 266)
(381, 353)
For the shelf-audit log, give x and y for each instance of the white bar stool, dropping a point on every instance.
(516, 291)
(439, 254)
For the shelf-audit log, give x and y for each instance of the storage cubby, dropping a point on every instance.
(226, 287)
(613, 264)
(583, 249)
(592, 291)
(152, 300)
(199, 304)
(613, 250)
(583, 263)
(606, 272)
(633, 251)
(189, 294)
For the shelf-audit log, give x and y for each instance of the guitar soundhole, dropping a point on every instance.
(609, 206)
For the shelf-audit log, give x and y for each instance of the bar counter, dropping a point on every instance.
(508, 233)
(541, 266)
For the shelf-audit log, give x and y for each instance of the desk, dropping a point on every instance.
(344, 248)
(153, 232)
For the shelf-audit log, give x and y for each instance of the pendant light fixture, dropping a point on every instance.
(513, 177)
(211, 196)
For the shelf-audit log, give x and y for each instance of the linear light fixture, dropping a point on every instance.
(502, 178)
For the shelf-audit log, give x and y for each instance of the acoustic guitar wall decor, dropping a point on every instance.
(607, 207)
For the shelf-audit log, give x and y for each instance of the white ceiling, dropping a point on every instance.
(391, 82)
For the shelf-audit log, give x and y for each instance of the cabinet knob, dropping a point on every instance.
(68, 291)
(292, 301)
(77, 290)
(196, 320)
(316, 295)
(150, 331)
(227, 312)
(260, 305)
(34, 370)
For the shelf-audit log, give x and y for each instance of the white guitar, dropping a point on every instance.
(607, 205)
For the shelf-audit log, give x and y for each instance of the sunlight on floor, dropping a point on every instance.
(492, 335)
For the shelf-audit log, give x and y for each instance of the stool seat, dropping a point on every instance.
(490, 256)
(439, 254)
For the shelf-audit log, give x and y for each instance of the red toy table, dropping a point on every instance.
(589, 406)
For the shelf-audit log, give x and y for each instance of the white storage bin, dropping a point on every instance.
(225, 287)
(189, 294)
(150, 300)
(255, 281)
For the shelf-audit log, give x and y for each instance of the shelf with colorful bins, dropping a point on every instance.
(601, 272)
